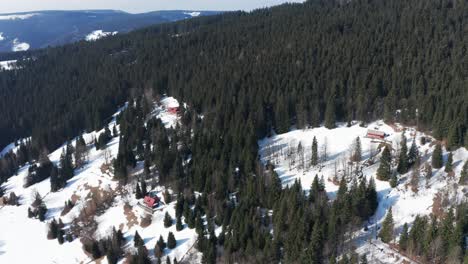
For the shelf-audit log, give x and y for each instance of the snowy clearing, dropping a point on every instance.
(405, 202)
(193, 14)
(98, 34)
(7, 65)
(19, 46)
(18, 16)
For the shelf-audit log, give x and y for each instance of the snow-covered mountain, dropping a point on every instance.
(23, 31)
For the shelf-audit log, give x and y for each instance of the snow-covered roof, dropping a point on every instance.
(170, 102)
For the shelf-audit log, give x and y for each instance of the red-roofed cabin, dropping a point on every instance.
(173, 109)
(375, 134)
(151, 200)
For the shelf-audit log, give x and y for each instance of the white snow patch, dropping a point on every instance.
(1, 36)
(193, 14)
(19, 46)
(7, 65)
(18, 16)
(98, 34)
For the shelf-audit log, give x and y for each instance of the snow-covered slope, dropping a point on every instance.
(52, 28)
(20, 232)
(405, 202)
(19, 46)
(98, 34)
(18, 16)
(7, 65)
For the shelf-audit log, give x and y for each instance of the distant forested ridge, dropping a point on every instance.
(294, 64)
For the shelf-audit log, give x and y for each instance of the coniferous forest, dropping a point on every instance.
(248, 74)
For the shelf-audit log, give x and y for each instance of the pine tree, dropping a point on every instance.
(384, 170)
(464, 174)
(60, 236)
(171, 241)
(437, 161)
(403, 167)
(137, 240)
(314, 158)
(53, 230)
(144, 188)
(403, 242)
(413, 154)
(138, 194)
(167, 220)
(449, 163)
(168, 260)
(386, 232)
(357, 151)
(159, 248)
(393, 180)
(179, 225)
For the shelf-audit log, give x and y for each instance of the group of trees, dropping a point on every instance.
(437, 239)
(111, 247)
(56, 231)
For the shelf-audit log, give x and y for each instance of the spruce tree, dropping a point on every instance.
(171, 241)
(403, 242)
(403, 165)
(384, 170)
(464, 174)
(386, 232)
(314, 159)
(138, 194)
(357, 151)
(437, 161)
(179, 225)
(167, 220)
(413, 154)
(137, 240)
(449, 163)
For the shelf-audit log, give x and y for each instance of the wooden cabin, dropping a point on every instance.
(151, 200)
(375, 134)
(173, 109)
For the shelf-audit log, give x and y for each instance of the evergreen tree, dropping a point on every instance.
(437, 161)
(171, 241)
(357, 151)
(314, 158)
(386, 232)
(464, 174)
(179, 225)
(138, 194)
(137, 240)
(384, 170)
(403, 165)
(413, 154)
(449, 163)
(403, 242)
(167, 220)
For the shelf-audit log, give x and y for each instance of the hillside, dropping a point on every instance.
(114, 206)
(250, 183)
(34, 30)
